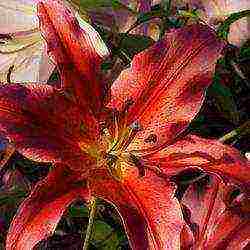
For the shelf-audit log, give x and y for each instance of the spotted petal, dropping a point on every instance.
(217, 224)
(36, 119)
(148, 208)
(39, 214)
(207, 154)
(77, 51)
(164, 88)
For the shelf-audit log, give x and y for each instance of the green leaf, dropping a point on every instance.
(193, 14)
(245, 51)
(223, 29)
(79, 212)
(104, 236)
(12, 197)
(224, 100)
(94, 4)
(133, 44)
(146, 16)
(166, 5)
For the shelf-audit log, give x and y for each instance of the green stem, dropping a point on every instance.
(90, 224)
(244, 129)
(223, 29)
(123, 53)
(201, 176)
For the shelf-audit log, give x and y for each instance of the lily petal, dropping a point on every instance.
(41, 211)
(22, 51)
(229, 226)
(207, 154)
(241, 239)
(18, 15)
(23, 59)
(217, 226)
(205, 206)
(35, 118)
(150, 212)
(166, 83)
(77, 50)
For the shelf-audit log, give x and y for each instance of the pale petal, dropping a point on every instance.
(17, 15)
(23, 57)
(26, 60)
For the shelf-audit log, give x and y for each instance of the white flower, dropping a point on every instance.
(23, 56)
(23, 52)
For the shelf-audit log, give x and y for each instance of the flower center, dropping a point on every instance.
(117, 155)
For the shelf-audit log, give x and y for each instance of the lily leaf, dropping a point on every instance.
(104, 236)
(93, 4)
(224, 100)
(128, 42)
(146, 16)
(74, 211)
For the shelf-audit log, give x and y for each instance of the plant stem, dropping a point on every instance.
(90, 224)
(244, 129)
(223, 29)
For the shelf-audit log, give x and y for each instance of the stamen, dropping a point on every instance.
(11, 68)
(114, 166)
(132, 131)
(124, 113)
(116, 126)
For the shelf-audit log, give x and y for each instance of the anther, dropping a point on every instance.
(11, 68)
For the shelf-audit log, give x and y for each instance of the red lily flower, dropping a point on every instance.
(218, 216)
(112, 158)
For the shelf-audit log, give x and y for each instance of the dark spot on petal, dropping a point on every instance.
(228, 158)
(66, 172)
(19, 92)
(83, 128)
(128, 103)
(152, 138)
(138, 163)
